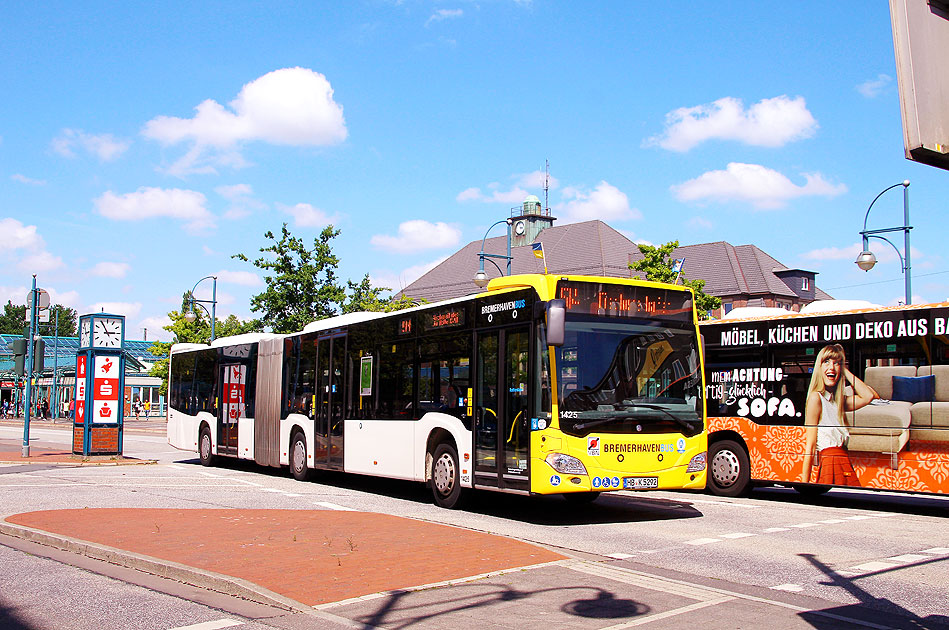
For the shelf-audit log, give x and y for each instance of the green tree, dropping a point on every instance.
(198, 331)
(365, 297)
(301, 283)
(657, 267)
(12, 320)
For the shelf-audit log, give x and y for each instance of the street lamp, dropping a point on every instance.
(866, 260)
(190, 316)
(481, 278)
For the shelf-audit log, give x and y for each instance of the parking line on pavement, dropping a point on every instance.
(620, 556)
(702, 541)
(737, 535)
(333, 506)
(211, 625)
(790, 588)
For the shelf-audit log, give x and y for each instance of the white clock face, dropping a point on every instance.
(519, 228)
(107, 333)
(84, 328)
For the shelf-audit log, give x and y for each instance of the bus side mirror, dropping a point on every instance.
(556, 316)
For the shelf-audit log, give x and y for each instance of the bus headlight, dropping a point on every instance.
(697, 463)
(565, 464)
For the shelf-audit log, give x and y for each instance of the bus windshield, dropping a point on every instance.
(629, 376)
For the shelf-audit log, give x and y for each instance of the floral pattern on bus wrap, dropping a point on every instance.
(776, 454)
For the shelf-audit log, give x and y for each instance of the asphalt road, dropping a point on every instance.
(885, 550)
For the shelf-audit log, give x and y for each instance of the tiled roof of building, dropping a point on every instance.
(595, 248)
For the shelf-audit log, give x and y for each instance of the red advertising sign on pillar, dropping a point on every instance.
(81, 388)
(235, 379)
(105, 390)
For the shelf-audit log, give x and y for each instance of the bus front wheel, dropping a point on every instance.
(298, 458)
(204, 447)
(446, 477)
(729, 473)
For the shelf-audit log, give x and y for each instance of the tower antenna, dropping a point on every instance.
(546, 184)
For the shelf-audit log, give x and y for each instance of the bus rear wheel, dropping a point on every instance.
(298, 465)
(446, 477)
(729, 473)
(204, 447)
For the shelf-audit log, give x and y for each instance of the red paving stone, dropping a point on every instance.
(313, 557)
(39, 455)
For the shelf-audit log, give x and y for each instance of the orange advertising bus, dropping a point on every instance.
(852, 398)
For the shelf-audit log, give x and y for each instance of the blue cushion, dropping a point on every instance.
(914, 389)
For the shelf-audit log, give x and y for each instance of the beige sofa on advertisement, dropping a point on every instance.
(886, 427)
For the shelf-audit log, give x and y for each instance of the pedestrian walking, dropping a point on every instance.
(72, 409)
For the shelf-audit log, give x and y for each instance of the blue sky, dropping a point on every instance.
(142, 145)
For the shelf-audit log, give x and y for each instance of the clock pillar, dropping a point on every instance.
(100, 381)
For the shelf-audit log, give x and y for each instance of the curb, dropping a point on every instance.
(79, 463)
(208, 580)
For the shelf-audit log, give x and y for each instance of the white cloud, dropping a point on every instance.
(291, 106)
(129, 309)
(242, 200)
(243, 278)
(150, 203)
(104, 146)
(515, 195)
(605, 202)
(537, 179)
(398, 281)
(18, 295)
(155, 326)
(110, 269)
(19, 236)
(417, 235)
(872, 88)
(34, 258)
(23, 179)
(444, 14)
(699, 223)
(850, 252)
(306, 215)
(772, 122)
(762, 187)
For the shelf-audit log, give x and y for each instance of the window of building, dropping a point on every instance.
(805, 284)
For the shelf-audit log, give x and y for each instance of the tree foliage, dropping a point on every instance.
(12, 320)
(657, 267)
(198, 331)
(365, 297)
(301, 283)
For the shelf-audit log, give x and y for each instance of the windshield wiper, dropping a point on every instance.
(621, 412)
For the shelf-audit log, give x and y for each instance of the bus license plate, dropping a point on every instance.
(640, 483)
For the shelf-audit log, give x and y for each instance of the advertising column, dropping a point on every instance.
(100, 378)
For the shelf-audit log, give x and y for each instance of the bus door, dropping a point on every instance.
(502, 418)
(330, 398)
(233, 379)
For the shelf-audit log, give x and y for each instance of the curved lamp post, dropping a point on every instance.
(190, 316)
(866, 260)
(481, 278)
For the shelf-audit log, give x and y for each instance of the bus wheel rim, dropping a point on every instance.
(725, 468)
(205, 445)
(298, 456)
(443, 474)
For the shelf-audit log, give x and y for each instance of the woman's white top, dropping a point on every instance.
(829, 430)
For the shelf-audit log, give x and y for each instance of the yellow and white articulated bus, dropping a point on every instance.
(570, 385)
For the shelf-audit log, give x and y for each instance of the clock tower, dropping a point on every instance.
(528, 220)
(100, 380)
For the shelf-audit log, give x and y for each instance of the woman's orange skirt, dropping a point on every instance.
(834, 468)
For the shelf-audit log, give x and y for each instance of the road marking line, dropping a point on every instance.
(670, 613)
(936, 550)
(869, 567)
(333, 506)
(737, 535)
(620, 556)
(791, 588)
(803, 525)
(772, 530)
(177, 467)
(207, 474)
(273, 490)
(908, 557)
(211, 625)
(833, 521)
(702, 541)
(858, 517)
(642, 580)
(728, 503)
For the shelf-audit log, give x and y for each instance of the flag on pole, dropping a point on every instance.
(677, 266)
(538, 249)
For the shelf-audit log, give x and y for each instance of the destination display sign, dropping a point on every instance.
(617, 300)
(444, 318)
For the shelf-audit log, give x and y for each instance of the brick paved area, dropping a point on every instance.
(311, 556)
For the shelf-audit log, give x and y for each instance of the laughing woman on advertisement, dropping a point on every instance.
(825, 425)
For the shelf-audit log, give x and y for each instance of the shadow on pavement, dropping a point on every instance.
(830, 618)
(9, 620)
(916, 504)
(538, 510)
(592, 603)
